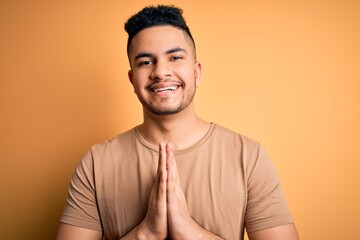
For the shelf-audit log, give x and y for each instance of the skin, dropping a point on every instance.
(162, 57)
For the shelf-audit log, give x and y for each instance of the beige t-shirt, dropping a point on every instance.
(228, 180)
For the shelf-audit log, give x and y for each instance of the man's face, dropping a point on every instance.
(164, 70)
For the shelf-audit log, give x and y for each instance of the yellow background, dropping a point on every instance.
(286, 73)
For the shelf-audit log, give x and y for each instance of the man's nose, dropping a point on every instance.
(161, 70)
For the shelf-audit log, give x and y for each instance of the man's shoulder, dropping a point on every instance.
(120, 140)
(220, 132)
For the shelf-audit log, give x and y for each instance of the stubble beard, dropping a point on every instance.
(163, 109)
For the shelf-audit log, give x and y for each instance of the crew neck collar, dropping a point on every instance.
(147, 144)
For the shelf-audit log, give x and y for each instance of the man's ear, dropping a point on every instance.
(198, 70)
(131, 76)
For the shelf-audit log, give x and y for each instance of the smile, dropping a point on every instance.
(164, 89)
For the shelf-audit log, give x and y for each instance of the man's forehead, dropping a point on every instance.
(160, 38)
(159, 28)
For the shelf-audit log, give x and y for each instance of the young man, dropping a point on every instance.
(174, 176)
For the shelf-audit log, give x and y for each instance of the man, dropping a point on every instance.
(174, 176)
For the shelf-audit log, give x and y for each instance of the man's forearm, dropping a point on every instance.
(207, 235)
(196, 231)
(212, 236)
(140, 233)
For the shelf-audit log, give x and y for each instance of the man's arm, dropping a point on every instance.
(284, 232)
(67, 232)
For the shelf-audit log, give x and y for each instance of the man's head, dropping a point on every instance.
(160, 15)
(164, 70)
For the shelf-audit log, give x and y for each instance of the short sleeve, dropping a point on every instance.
(81, 207)
(266, 207)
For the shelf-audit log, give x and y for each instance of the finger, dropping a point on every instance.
(174, 174)
(170, 161)
(158, 171)
(162, 173)
(175, 170)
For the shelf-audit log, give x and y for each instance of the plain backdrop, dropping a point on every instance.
(286, 73)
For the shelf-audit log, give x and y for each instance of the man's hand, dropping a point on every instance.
(154, 225)
(168, 213)
(156, 219)
(181, 224)
(179, 219)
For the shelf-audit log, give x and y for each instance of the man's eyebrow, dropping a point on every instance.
(141, 55)
(177, 49)
(170, 51)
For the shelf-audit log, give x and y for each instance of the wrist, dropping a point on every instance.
(201, 233)
(143, 232)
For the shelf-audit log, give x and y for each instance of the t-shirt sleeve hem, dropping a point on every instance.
(269, 224)
(81, 223)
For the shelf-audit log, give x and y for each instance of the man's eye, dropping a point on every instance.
(144, 63)
(175, 58)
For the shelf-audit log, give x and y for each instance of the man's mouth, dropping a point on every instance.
(165, 89)
(160, 89)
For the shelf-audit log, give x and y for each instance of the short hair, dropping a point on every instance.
(159, 15)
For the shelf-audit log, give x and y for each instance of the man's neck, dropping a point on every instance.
(182, 129)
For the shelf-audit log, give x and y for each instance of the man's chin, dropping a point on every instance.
(164, 111)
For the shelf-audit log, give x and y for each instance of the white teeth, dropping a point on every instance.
(170, 88)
